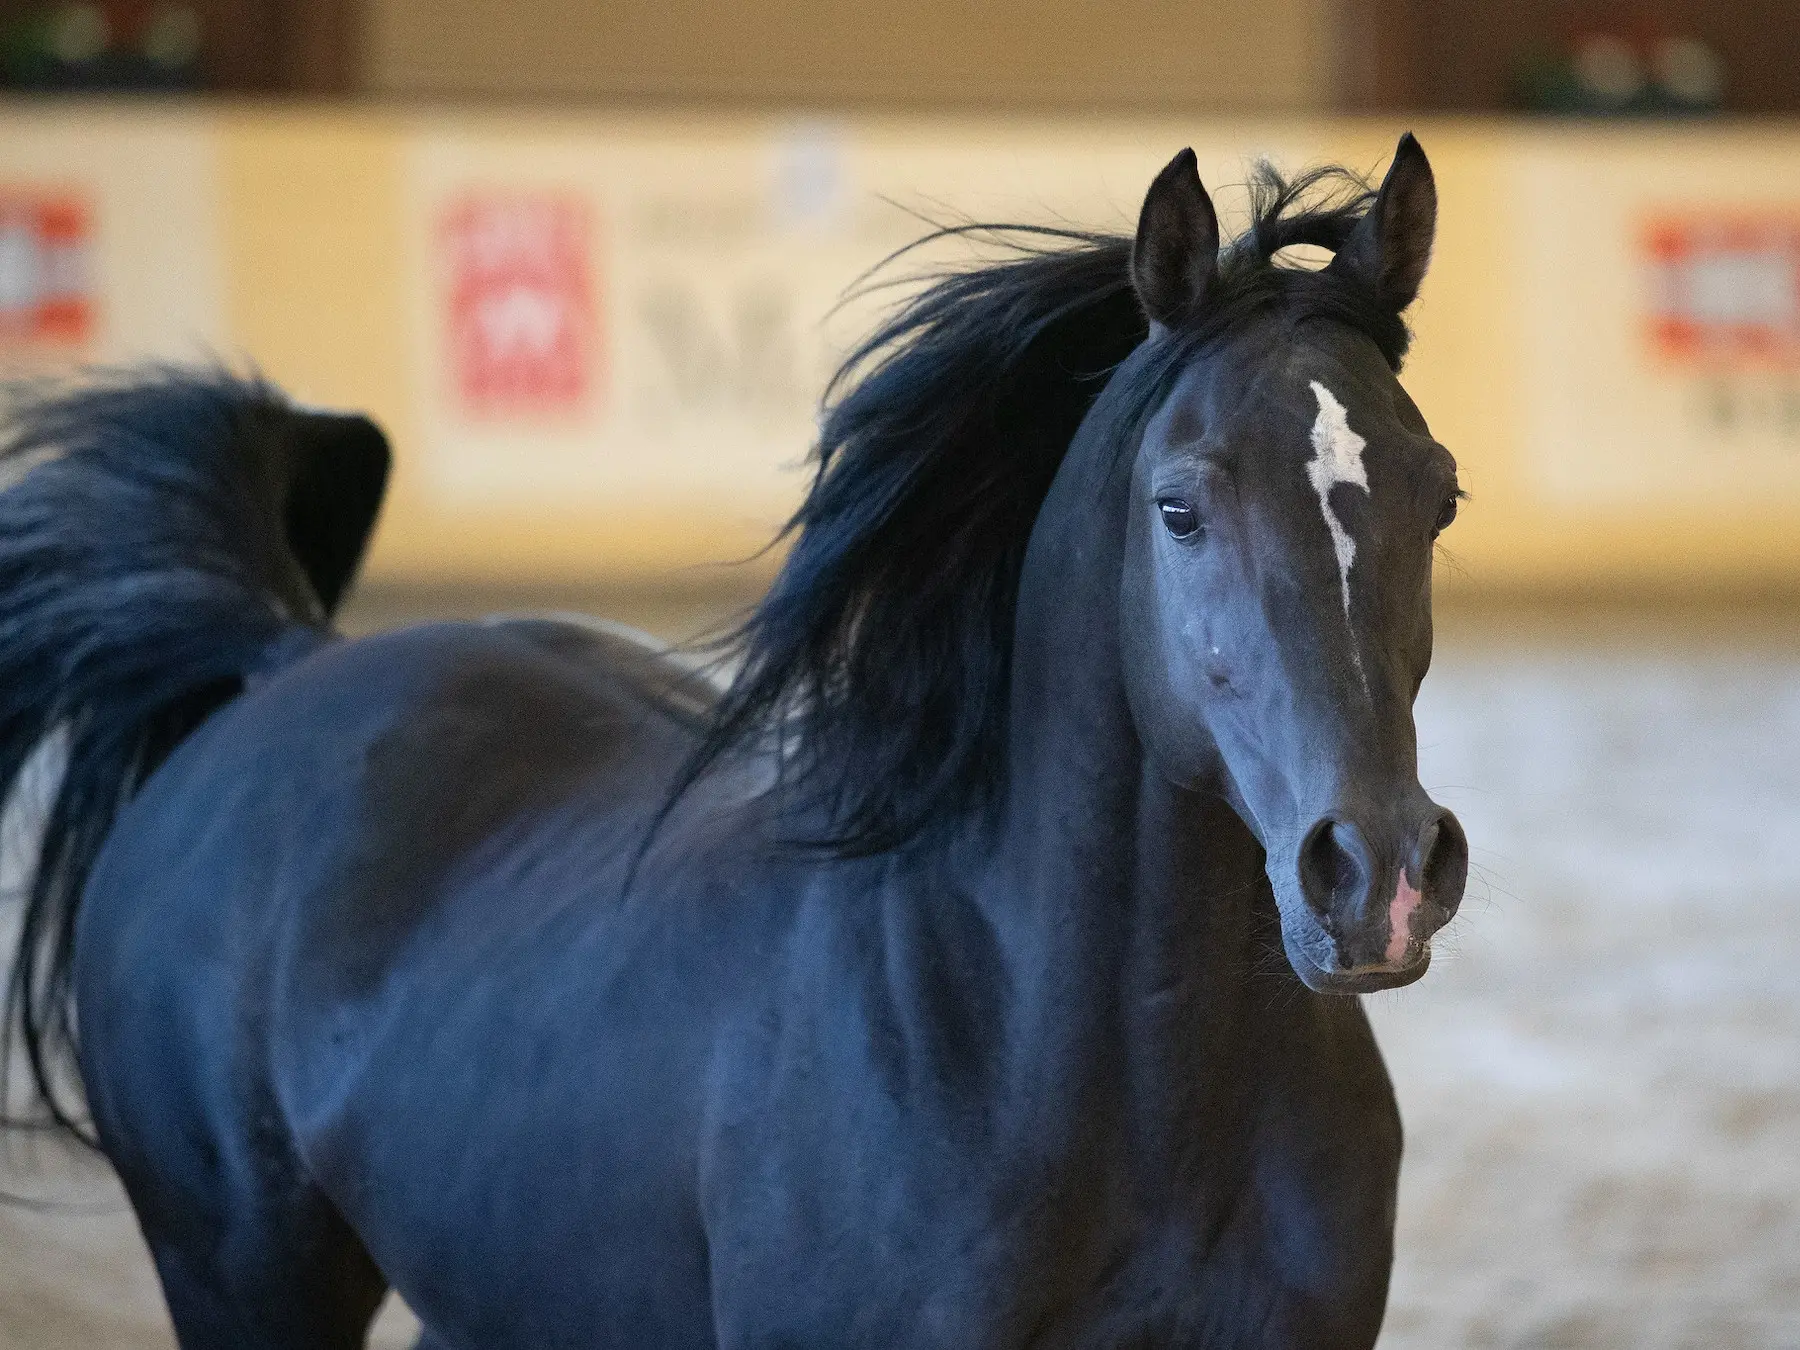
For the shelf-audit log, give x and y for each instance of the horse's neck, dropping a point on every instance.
(1107, 872)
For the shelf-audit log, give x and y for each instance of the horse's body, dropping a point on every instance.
(404, 967)
(989, 1076)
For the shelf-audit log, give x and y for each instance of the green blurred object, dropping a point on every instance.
(1604, 74)
(86, 47)
(172, 37)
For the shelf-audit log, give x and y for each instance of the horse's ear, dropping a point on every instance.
(1176, 254)
(338, 474)
(1390, 247)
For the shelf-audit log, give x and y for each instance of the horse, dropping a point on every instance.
(973, 963)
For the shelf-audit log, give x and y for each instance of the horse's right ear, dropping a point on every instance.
(1176, 255)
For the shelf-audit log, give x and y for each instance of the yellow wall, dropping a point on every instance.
(314, 229)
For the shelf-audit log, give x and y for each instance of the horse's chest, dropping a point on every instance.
(890, 1160)
(1164, 1287)
(936, 1223)
(882, 1209)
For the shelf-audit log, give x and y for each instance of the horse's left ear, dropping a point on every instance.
(1390, 247)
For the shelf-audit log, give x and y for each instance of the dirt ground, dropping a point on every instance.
(1600, 1075)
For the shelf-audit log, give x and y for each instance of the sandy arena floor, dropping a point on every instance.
(1600, 1075)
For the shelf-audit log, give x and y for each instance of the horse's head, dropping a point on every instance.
(1277, 589)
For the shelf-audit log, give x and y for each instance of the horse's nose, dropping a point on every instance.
(1380, 916)
(1440, 862)
(1335, 869)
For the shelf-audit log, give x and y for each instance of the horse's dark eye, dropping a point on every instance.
(1445, 517)
(1178, 516)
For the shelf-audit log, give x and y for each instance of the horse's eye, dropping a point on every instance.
(1179, 516)
(1444, 518)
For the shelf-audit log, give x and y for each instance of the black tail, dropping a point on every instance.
(164, 536)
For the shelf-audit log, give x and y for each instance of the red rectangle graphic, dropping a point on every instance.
(520, 305)
(46, 274)
(1724, 289)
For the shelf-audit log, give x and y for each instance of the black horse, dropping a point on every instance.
(923, 987)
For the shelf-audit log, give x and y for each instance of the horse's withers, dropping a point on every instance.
(1286, 498)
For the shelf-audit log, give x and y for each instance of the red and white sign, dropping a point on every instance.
(1725, 291)
(46, 283)
(521, 311)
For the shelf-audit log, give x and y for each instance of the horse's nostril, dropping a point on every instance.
(1424, 854)
(1332, 874)
(1442, 862)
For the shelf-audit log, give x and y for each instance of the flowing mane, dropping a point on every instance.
(878, 665)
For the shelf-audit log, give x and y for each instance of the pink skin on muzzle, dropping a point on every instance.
(1400, 914)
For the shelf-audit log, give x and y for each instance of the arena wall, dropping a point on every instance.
(598, 340)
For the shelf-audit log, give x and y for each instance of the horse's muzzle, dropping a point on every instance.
(1375, 909)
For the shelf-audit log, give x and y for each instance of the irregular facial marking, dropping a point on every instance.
(1337, 458)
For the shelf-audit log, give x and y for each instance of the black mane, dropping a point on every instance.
(878, 665)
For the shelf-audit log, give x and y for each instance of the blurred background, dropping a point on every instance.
(584, 262)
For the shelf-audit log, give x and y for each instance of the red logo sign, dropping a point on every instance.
(522, 329)
(1725, 291)
(46, 287)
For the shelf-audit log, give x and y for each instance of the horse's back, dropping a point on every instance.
(450, 729)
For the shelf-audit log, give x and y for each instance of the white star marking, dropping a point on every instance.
(1337, 458)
